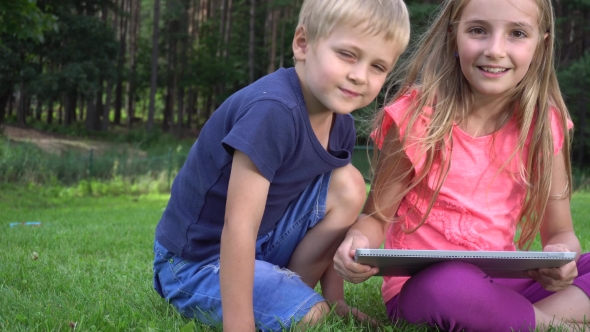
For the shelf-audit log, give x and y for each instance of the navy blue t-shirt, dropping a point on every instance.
(267, 121)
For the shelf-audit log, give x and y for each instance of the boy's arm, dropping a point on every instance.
(557, 230)
(246, 199)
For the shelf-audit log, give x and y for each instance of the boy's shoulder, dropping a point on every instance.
(281, 86)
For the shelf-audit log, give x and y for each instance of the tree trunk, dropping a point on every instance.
(582, 144)
(38, 109)
(192, 100)
(272, 52)
(90, 113)
(172, 84)
(50, 111)
(227, 30)
(10, 106)
(70, 108)
(28, 110)
(60, 112)
(194, 20)
(252, 40)
(99, 109)
(120, 62)
(80, 116)
(107, 106)
(22, 108)
(4, 100)
(167, 111)
(154, 67)
(286, 15)
(184, 30)
(133, 36)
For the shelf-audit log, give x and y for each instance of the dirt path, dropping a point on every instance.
(58, 144)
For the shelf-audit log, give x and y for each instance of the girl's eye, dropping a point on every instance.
(477, 31)
(519, 34)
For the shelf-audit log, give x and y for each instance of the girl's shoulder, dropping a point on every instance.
(398, 109)
(556, 118)
(404, 100)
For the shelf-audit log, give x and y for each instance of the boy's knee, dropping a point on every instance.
(315, 314)
(347, 187)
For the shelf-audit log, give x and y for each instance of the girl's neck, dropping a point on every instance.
(486, 116)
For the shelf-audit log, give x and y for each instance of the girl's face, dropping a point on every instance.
(496, 42)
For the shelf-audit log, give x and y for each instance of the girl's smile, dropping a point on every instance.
(493, 72)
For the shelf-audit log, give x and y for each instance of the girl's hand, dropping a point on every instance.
(555, 279)
(344, 263)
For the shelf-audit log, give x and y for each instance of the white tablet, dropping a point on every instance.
(497, 264)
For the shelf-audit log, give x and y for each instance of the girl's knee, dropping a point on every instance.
(439, 288)
(347, 187)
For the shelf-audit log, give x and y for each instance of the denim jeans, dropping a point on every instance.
(280, 298)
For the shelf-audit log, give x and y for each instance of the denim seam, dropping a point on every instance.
(286, 234)
(292, 315)
(178, 266)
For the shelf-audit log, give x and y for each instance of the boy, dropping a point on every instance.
(268, 192)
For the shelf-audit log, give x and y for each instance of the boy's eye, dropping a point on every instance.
(380, 68)
(345, 54)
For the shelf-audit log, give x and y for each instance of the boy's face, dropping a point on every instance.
(343, 71)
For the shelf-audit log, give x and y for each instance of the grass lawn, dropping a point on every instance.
(88, 266)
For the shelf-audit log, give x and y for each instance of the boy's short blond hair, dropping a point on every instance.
(389, 18)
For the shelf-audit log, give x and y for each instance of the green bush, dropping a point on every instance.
(87, 172)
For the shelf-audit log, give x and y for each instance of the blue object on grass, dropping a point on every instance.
(25, 223)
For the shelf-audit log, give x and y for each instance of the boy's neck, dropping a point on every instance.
(321, 119)
(321, 123)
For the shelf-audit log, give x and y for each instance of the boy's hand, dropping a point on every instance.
(343, 310)
(555, 279)
(344, 262)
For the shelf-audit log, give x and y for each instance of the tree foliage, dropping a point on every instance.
(24, 20)
(71, 61)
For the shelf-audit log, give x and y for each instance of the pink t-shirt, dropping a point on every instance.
(477, 206)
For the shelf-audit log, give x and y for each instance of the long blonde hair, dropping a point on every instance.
(435, 72)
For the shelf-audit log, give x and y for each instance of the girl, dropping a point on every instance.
(476, 144)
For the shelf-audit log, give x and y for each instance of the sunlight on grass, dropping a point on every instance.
(88, 266)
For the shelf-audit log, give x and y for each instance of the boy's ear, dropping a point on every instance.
(300, 44)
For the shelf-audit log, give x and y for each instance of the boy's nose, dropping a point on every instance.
(496, 47)
(358, 74)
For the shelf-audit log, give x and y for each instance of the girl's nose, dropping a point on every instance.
(496, 47)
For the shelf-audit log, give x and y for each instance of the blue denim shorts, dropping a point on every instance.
(280, 297)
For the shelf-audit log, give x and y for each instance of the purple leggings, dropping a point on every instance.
(457, 296)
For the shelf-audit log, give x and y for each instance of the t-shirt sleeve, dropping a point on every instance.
(557, 129)
(265, 132)
(397, 113)
(392, 113)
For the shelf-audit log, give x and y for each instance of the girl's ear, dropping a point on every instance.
(300, 44)
(546, 35)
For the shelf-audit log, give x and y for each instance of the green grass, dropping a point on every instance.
(93, 265)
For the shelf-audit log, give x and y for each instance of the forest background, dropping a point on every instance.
(147, 68)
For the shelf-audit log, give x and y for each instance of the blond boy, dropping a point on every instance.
(268, 192)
